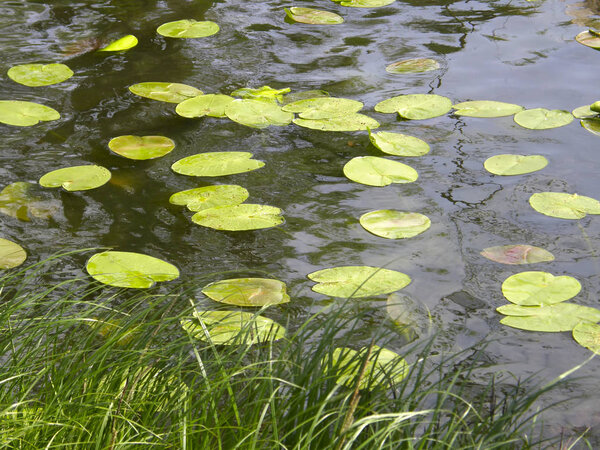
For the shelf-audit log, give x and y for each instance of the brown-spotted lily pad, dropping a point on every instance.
(517, 254)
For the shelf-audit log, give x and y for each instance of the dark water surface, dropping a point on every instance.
(514, 51)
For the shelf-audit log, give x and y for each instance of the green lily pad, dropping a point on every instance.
(398, 144)
(415, 106)
(239, 217)
(550, 318)
(358, 281)
(39, 74)
(587, 335)
(141, 147)
(543, 119)
(539, 288)
(514, 164)
(517, 254)
(76, 178)
(584, 112)
(364, 3)
(415, 65)
(265, 93)
(313, 16)
(212, 105)
(324, 107)
(589, 39)
(216, 164)
(210, 197)
(11, 254)
(125, 43)
(188, 28)
(232, 327)
(376, 171)
(25, 114)
(18, 200)
(130, 270)
(486, 108)
(564, 206)
(391, 224)
(257, 114)
(591, 125)
(350, 122)
(165, 92)
(247, 292)
(303, 95)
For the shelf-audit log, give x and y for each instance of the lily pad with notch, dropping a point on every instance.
(486, 108)
(313, 16)
(34, 75)
(392, 224)
(76, 178)
(413, 65)
(165, 92)
(11, 254)
(210, 197)
(247, 291)
(543, 119)
(415, 106)
(324, 107)
(257, 114)
(517, 254)
(551, 318)
(507, 165)
(25, 114)
(120, 45)
(243, 217)
(216, 164)
(188, 28)
(399, 144)
(212, 105)
(536, 288)
(350, 122)
(141, 147)
(376, 171)
(587, 334)
(564, 206)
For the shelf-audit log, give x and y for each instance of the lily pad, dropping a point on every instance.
(564, 206)
(18, 200)
(415, 106)
(25, 114)
(210, 197)
(517, 254)
(364, 3)
(247, 292)
(539, 288)
(398, 144)
(350, 122)
(543, 119)
(415, 65)
(313, 16)
(125, 43)
(265, 93)
(212, 105)
(130, 270)
(514, 164)
(242, 217)
(141, 147)
(188, 28)
(165, 92)
(591, 125)
(550, 318)
(587, 334)
(257, 114)
(39, 74)
(324, 107)
(216, 164)
(76, 178)
(589, 39)
(392, 224)
(376, 171)
(358, 281)
(584, 112)
(11, 254)
(486, 108)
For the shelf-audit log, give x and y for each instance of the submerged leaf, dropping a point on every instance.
(587, 334)
(398, 144)
(591, 125)
(376, 171)
(165, 92)
(76, 178)
(486, 108)
(543, 119)
(589, 39)
(392, 224)
(303, 95)
(412, 317)
(212, 105)
(11, 254)
(416, 65)
(17, 200)
(39, 74)
(536, 288)
(364, 3)
(141, 147)
(247, 291)
(265, 93)
(514, 164)
(564, 206)
(415, 106)
(210, 197)
(216, 164)
(313, 16)
(239, 217)
(350, 122)
(125, 43)
(550, 318)
(257, 114)
(188, 28)
(25, 114)
(517, 254)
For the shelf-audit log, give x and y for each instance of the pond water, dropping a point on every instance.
(513, 51)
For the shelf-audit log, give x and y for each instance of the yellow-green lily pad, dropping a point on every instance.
(564, 206)
(210, 197)
(543, 119)
(486, 108)
(376, 171)
(587, 334)
(589, 39)
(415, 106)
(141, 147)
(264, 93)
(514, 164)
(537, 288)
(399, 144)
(392, 224)
(242, 217)
(11, 254)
(349, 122)
(216, 164)
(324, 107)
(257, 114)
(413, 65)
(39, 74)
(25, 114)
(212, 105)
(517, 254)
(165, 92)
(247, 291)
(364, 3)
(584, 112)
(76, 178)
(551, 318)
(188, 28)
(313, 16)
(592, 125)
(122, 44)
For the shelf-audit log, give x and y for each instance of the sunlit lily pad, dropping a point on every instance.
(25, 114)
(543, 119)
(324, 107)
(212, 105)
(486, 108)
(265, 93)
(19, 201)
(399, 144)
(589, 39)
(76, 178)
(364, 3)
(232, 327)
(584, 112)
(376, 171)
(350, 122)
(165, 92)
(391, 224)
(210, 197)
(130, 270)
(125, 43)
(358, 281)
(550, 318)
(587, 334)
(415, 65)
(257, 114)
(415, 106)
(39, 74)
(303, 95)
(216, 164)
(188, 28)
(11, 254)
(514, 164)
(564, 206)
(313, 16)
(517, 254)
(591, 125)
(242, 217)
(539, 288)
(141, 147)
(247, 291)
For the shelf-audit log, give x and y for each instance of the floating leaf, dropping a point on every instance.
(125, 43)
(564, 206)
(591, 125)
(416, 65)
(539, 288)
(350, 122)
(130, 270)
(25, 114)
(212, 105)
(210, 197)
(584, 112)
(239, 217)
(257, 114)
(76, 178)
(587, 334)
(39, 74)
(415, 106)
(247, 292)
(589, 39)
(216, 164)
(303, 95)
(375, 171)
(165, 92)
(398, 144)
(313, 16)
(324, 107)
(517, 254)
(18, 201)
(550, 318)
(11, 254)
(141, 147)
(486, 108)
(364, 3)
(391, 224)
(188, 28)
(514, 164)
(543, 119)
(265, 93)
(358, 281)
